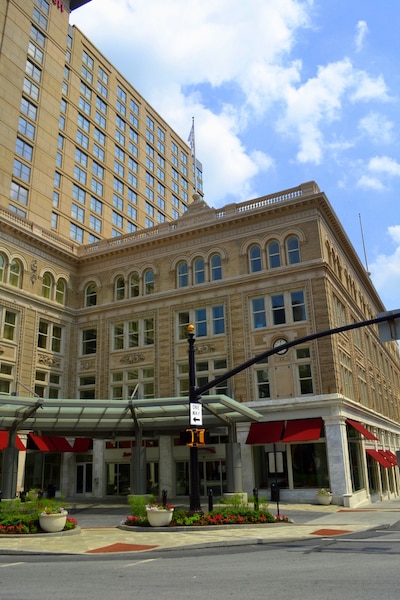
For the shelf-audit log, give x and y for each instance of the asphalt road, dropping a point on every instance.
(312, 570)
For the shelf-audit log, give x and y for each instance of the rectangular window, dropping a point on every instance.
(218, 320)
(278, 309)
(9, 325)
(259, 314)
(263, 385)
(49, 336)
(298, 306)
(304, 370)
(89, 341)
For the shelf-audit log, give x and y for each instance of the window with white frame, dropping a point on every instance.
(89, 341)
(49, 336)
(125, 383)
(133, 334)
(278, 309)
(47, 384)
(304, 370)
(206, 370)
(261, 371)
(8, 324)
(208, 321)
(6, 377)
(254, 255)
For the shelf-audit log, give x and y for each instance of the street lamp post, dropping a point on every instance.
(195, 506)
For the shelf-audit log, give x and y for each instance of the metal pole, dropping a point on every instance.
(195, 504)
(276, 482)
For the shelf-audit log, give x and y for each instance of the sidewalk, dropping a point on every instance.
(323, 521)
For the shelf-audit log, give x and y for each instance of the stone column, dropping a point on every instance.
(338, 456)
(165, 467)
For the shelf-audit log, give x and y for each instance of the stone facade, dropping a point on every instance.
(276, 268)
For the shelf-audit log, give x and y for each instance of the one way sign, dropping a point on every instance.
(196, 414)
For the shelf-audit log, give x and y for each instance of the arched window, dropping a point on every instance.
(60, 291)
(293, 250)
(199, 273)
(2, 267)
(134, 285)
(47, 286)
(91, 295)
(215, 267)
(255, 258)
(148, 279)
(15, 276)
(120, 288)
(274, 255)
(183, 274)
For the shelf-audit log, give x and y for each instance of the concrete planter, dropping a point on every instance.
(324, 499)
(159, 517)
(54, 522)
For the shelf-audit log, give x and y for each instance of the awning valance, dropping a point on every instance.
(303, 430)
(265, 433)
(361, 429)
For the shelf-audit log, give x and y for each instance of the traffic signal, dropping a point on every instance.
(195, 437)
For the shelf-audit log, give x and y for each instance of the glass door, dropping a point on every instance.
(84, 479)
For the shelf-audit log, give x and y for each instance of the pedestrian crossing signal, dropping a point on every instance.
(195, 437)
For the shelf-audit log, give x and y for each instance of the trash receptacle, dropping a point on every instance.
(275, 492)
(51, 490)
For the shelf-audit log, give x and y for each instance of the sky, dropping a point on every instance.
(282, 92)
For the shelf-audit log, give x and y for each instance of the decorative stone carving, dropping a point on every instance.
(50, 361)
(33, 274)
(132, 358)
(203, 348)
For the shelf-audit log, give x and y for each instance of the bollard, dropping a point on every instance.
(255, 494)
(210, 500)
(164, 497)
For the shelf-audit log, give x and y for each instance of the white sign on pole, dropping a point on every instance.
(196, 414)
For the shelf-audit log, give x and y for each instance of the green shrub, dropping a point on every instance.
(137, 504)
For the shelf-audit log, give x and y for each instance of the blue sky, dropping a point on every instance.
(282, 92)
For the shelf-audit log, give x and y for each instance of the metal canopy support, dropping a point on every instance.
(138, 457)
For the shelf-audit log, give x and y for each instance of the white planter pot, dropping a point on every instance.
(53, 523)
(159, 518)
(324, 499)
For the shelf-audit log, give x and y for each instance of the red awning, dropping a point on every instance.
(265, 433)
(81, 445)
(393, 456)
(303, 430)
(361, 429)
(386, 454)
(382, 460)
(43, 443)
(4, 441)
(61, 444)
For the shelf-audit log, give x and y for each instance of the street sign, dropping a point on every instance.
(196, 414)
(389, 330)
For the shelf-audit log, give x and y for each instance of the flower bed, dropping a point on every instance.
(225, 516)
(23, 518)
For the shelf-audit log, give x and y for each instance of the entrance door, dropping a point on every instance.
(84, 473)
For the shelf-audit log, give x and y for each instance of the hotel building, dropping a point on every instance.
(94, 319)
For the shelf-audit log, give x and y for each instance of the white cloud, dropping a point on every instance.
(378, 172)
(385, 271)
(232, 65)
(361, 32)
(385, 165)
(377, 127)
(367, 182)
(319, 102)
